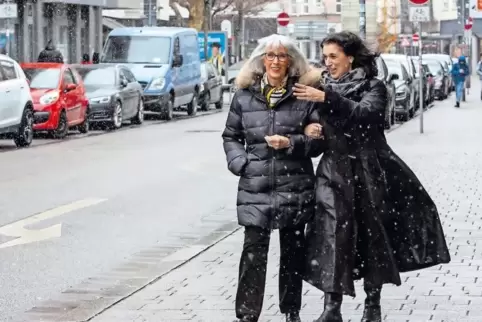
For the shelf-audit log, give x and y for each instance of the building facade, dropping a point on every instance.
(310, 22)
(75, 27)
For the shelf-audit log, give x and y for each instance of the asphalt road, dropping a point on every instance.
(82, 206)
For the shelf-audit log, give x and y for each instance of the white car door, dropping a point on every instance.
(14, 91)
(4, 97)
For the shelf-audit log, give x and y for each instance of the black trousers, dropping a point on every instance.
(252, 271)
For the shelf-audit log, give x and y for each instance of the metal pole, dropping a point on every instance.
(420, 73)
(149, 18)
(363, 20)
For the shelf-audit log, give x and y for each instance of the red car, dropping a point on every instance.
(59, 99)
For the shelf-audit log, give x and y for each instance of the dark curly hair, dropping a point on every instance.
(354, 46)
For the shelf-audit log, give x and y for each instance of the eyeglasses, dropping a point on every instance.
(281, 57)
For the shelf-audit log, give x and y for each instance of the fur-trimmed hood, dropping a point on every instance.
(246, 78)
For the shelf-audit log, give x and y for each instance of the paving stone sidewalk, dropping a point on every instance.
(448, 160)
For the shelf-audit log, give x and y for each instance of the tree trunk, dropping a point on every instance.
(196, 14)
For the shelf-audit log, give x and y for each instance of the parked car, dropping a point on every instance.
(211, 87)
(315, 63)
(403, 86)
(114, 94)
(16, 110)
(410, 68)
(448, 64)
(430, 95)
(441, 79)
(59, 98)
(423, 76)
(388, 79)
(165, 61)
(233, 72)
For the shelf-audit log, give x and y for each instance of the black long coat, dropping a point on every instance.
(374, 219)
(276, 187)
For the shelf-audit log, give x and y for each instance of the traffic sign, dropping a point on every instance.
(415, 38)
(469, 23)
(283, 19)
(405, 42)
(419, 2)
(419, 13)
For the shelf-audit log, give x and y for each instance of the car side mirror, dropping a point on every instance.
(409, 80)
(70, 87)
(392, 77)
(177, 60)
(124, 82)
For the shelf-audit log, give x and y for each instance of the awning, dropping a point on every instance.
(111, 23)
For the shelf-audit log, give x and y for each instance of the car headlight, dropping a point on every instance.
(49, 98)
(157, 84)
(98, 100)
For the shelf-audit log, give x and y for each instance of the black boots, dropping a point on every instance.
(332, 311)
(293, 317)
(372, 312)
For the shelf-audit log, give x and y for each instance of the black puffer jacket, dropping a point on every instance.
(50, 55)
(276, 188)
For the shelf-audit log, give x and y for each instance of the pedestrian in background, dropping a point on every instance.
(266, 147)
(50, 54)
(373, 218)
(479, 72)
(460, 71)
(86, 59)
(95, 58)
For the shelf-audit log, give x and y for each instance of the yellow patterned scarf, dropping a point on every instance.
(272, 94)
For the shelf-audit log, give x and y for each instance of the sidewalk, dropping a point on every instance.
(448, 160)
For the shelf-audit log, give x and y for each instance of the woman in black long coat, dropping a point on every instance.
(374, 219)
(265, 145)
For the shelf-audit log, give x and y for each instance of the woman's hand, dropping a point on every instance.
(278, 142)
(314, 131)
(308, 93)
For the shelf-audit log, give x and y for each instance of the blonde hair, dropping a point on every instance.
(254, 66)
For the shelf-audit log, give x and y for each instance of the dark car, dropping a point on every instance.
(403, 90)
(410, 68)
(211, 87)
(114, 94)
(388, 79)
(446, 61)
(430, 95)
(441, 79)
(423, 77)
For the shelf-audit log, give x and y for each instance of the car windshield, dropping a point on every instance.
(98, 76)
(395, 68)
(137, 50)
(43, 78)
(434, 67)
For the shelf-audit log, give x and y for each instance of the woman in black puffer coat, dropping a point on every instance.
(265, 145)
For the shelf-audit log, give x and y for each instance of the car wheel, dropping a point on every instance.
(168, 112)
(206, 102)
(192, 107)
(85, 126)
(117, 116)
(62, 127)
(24, 136)
(139, 118)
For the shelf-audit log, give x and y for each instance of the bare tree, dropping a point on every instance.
(196, 11)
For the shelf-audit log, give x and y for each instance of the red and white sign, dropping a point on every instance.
(419, 2)
(405, 42)
(283, 19)
(469, 23)
(415, 38)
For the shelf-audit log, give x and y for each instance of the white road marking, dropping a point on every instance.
(26, 236)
